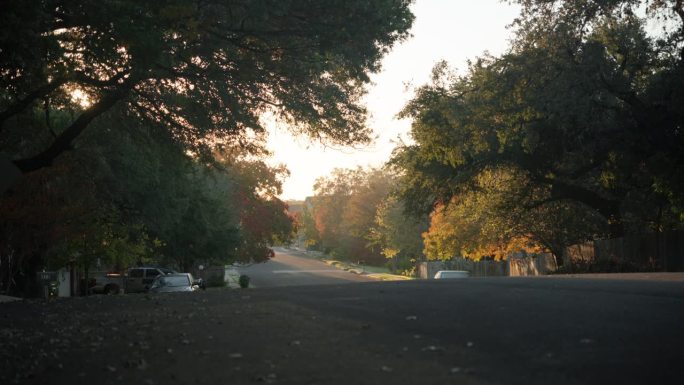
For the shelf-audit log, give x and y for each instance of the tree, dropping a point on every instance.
(203, 71)
(203, 225)
(342, 213)
(308, 231)
(75, 214)
(263, 218)
(129, 195)
(398, 235)
(331, 196)
(583, 110)
(489, 221)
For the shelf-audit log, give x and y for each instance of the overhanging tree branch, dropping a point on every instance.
(21, 104)
(608, 208)
(65, 139)
(50, 87)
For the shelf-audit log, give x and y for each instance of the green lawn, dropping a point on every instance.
(377, 272)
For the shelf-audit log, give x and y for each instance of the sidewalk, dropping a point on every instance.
(7, 298)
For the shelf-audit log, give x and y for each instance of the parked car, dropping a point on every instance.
(448, 274)
(200, 283)
(106, 283)
(179, 282)
(139, 279)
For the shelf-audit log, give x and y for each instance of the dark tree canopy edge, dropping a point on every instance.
(200, 69)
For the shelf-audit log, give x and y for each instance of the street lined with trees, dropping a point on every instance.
(139, 129)
(138, 126)
(354, 216)
(574, 134)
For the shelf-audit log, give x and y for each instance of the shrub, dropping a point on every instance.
(244, 281)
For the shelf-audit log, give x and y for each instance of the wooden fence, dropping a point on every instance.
(649, 252)
(514, 266)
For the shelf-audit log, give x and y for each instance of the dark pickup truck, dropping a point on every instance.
(136, 280)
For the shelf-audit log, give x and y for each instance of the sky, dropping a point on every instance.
(451, 30)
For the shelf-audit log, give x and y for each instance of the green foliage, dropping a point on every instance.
(499, 216)
(583, 115)
(353, 217)
(173, 93)
(397, 234)
(308, 230)
(263, 218)
(202, 225)
(133, 196)
(202, 72)
(243, 281)
(338, 218)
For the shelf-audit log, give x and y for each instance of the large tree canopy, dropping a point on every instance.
(340, 217)
(398, 235)
(129, 195)
(204, 70)
(585, 109)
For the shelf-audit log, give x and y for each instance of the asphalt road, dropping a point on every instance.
(471, 331)
(289, 269)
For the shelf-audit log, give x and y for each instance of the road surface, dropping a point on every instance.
(471, 331)
(289, 269)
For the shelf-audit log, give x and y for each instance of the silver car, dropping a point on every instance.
(173, 283)
(139, 279)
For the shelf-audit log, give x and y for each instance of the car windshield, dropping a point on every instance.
(173, 281)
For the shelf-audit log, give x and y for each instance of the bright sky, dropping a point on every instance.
(452, 30)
